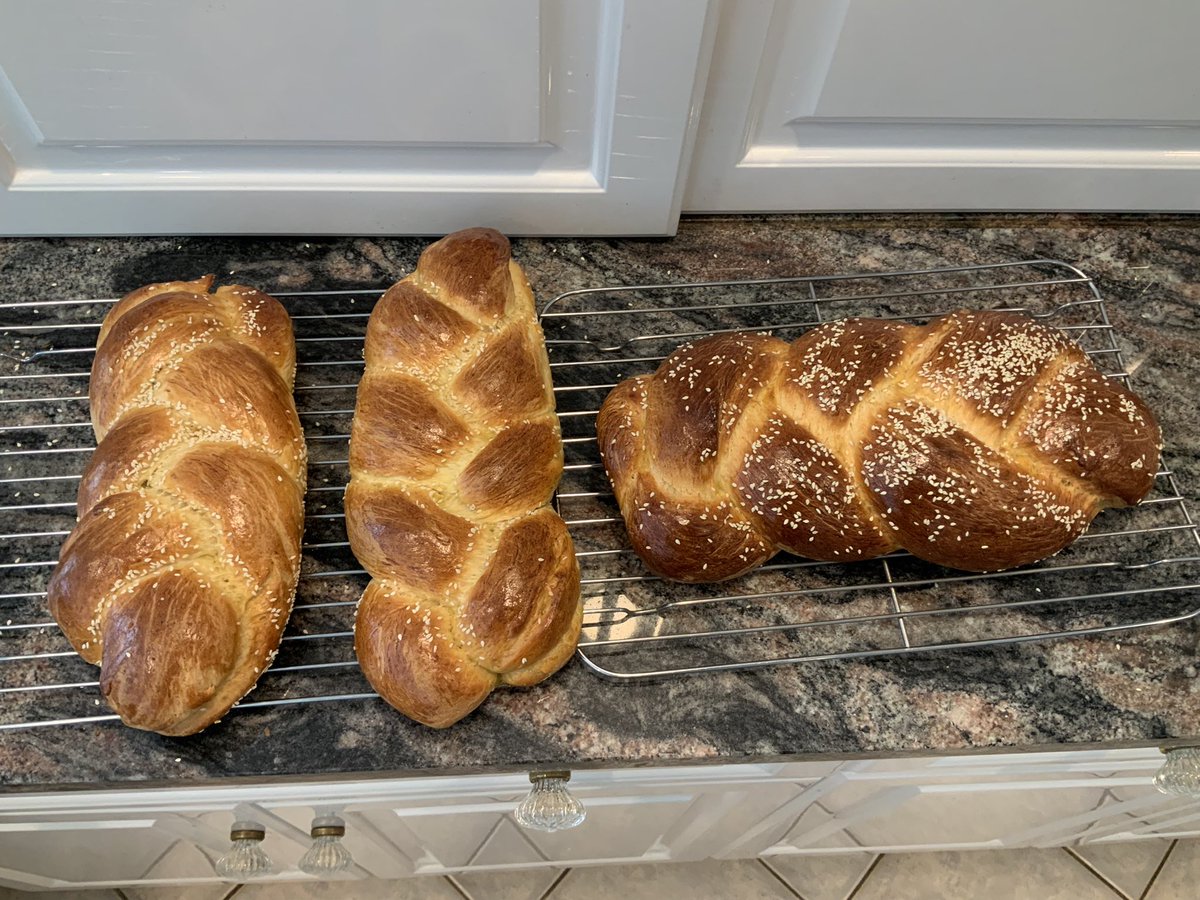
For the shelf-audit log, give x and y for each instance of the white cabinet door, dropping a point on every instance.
(1038, 800)
(394, 828)
(346, 116)
(427, 826)
(1171, 817)
(63, 851)
(458, 836)
(939, 104)
(631, 817)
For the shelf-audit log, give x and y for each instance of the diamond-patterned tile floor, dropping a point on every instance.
(1146, 870)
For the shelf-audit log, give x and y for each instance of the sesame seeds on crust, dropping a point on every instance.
(975, 441)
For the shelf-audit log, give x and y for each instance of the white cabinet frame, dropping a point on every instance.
(619, 92)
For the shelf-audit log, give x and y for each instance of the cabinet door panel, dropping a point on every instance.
(314, 116)
(184, 863)
(483, 835)
(865, 104)
(446, 837)
(969, 802)
(1169, 817)
(953, 815)
(110, 77)
(630, 827)
(80, 850)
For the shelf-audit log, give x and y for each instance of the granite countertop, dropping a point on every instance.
(1134, 688)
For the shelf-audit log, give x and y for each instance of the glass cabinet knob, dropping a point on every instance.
(327, 855)
(1180, 774)
(549, 806)
(245, 858)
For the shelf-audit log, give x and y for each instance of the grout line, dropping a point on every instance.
(865, 875)
(1162, 862)
(1070, 851)
(791, 890)
(171, 846)
(555, 883)
(458, 888)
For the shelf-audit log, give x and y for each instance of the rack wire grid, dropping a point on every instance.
(1134, 568)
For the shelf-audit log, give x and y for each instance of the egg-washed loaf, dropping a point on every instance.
(179, 578)
(981, 441)
(454, 455)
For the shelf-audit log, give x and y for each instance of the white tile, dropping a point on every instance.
(710, 880)
(178, 892)
(452, 838)
(507, 844)
(183, 861)
(1128, 865)
(983, 874)
(830, 877)
(10, 894)
(428, 887)
(1180, 873)
(527, 884)
(616, 831)
(959, 816)
(814, 816)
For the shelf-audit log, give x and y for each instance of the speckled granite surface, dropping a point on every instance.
(1133, 688)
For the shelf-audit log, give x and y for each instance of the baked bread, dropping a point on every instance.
(179, 578)
(454, 455)
(980, 441)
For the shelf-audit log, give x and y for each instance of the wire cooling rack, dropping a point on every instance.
(1135, 568)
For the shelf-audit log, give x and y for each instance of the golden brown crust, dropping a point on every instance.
(180, 576)
(166, 625)
(981, 441)
(508, 379)
(409, 330)
(824, 519)
(517, 470)
(1105, 437)
(469, 270)
(408, 648)
(700, 395)
(129, 450)
(526, 597)
(454, 454)
(990, 363)
(832, 368)
(952, 500)
(149, 292)
(402, 531)
(406, 430)
(125, 537)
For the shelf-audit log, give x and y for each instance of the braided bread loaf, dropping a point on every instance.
(454, 454)
(981, 441)
(179, 578)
